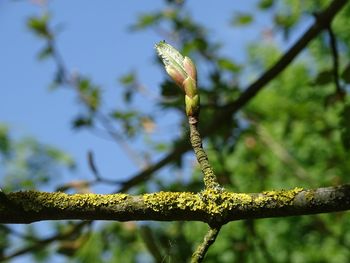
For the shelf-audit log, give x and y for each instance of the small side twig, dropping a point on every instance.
(202, 249)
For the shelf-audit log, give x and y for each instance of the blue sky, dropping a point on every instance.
(96, 42)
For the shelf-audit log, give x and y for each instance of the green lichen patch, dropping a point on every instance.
(310, 196)
(277, 198)
(36, 201)
(216, 202)
(210, 201)
(163, 201)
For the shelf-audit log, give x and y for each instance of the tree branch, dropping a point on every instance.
(323, 20)
(210, 206)
(202, 249)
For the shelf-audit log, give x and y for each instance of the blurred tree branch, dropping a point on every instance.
(41, 243)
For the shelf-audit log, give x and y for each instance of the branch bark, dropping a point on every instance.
(209, 239)
(210, 206)
(323, 20)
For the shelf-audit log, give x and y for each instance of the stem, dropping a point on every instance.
(210, 180)
(202, 249)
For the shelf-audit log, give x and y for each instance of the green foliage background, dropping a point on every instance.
(295, 132)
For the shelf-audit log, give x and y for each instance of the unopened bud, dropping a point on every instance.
(183, 71)
(176, 65)
(190, 87)
(173, 62)
(190, 68)
(192, 106)
(175, 75)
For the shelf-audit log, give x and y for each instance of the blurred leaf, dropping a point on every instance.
(123, 115)
(242, 19)
(128, 96)
(130, 121)
(161, 147)
(127, 79)
(70, 247)
(129, 82)
(334, 97)
(346, 74)
(197, 44)
(45, 52)
(178, 2)
(61, 157)
(39, 25)
(265, 4)
(146, 20)
(81, 122)
(228, 65)
(5, 143)
(90, 93)
(323, 78)
(285, 21)
(95, 98)
(84, 84)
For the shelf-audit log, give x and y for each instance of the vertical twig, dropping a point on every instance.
(210, 180)
(183, 71)
(208, 240)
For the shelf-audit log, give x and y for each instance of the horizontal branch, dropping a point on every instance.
(212, 207)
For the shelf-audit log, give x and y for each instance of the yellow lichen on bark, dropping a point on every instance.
(215, 202)
(210, 201)
(36, 201)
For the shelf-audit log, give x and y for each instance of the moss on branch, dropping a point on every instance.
(211, 206)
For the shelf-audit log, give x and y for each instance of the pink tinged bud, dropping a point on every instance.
(183, 71)
(190, 68)
(175, 75)
(173, 62)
